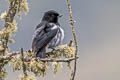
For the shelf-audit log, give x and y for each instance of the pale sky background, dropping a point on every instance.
(98, 31)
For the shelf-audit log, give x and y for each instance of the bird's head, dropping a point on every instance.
(51, 16)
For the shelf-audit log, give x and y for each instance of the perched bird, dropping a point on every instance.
(48, 34)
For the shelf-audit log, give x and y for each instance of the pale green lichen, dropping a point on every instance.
(69, 65)
(3, 15)
(3, 74)
(1, 48)
(57, 66)
(38, 67)
(12, 27)
(27, 77)
(16, 63)
(22, 7)
(68, 51)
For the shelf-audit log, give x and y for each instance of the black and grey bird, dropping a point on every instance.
(48, 34)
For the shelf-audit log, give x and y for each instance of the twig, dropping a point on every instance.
(9, 57)
(23, 64)
(5, 58)
(70, 43)
(74, 35)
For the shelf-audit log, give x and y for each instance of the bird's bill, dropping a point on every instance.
(60, 15)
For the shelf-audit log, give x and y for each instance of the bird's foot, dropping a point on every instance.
(53, 49)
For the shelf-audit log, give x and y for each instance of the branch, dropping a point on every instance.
(9, 19)
(9, 57)
(44, 60)
(11, 12)
(74, 35)
(53, 59)
(23, 64)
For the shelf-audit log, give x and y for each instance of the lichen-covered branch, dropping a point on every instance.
(44, 60)
(23, 62)
(7, 30)
(11, 56)
(11, 12)
(74, 35)
(58, 60)
(10, 27)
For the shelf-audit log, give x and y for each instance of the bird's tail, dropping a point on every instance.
(41, 53)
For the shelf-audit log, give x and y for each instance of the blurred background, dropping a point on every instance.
(98, 31)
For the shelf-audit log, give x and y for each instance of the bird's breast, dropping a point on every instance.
(58, 38)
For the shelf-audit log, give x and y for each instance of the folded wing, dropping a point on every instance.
(43, 37)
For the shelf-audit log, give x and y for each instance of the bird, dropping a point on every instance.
(48, 34)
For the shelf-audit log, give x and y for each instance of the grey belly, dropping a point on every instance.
(57, 39)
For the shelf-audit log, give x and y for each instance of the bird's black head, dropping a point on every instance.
(51, 16)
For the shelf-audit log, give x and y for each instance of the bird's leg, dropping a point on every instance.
(47, 54)
(46, 47)
(50, 53)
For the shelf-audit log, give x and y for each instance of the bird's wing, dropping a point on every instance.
(42, 37)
